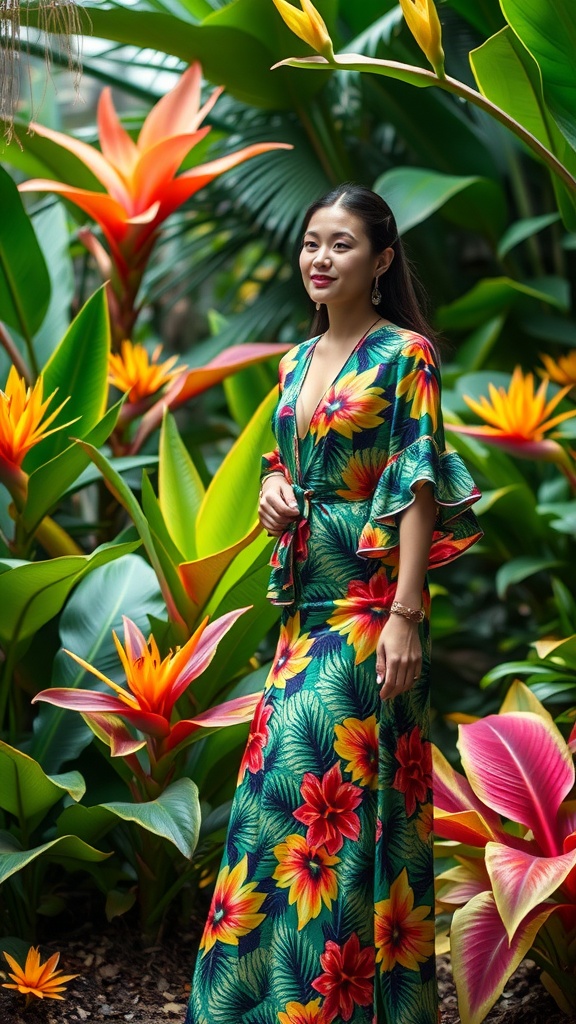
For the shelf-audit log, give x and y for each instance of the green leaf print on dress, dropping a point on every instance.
(323, 908)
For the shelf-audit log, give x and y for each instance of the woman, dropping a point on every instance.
(323, 908)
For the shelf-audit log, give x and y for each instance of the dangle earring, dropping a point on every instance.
(318, 305)
(376, 294)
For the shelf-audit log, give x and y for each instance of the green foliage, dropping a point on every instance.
(24, 280)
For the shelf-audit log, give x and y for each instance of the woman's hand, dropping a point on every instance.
(398, 656)
(278, 506)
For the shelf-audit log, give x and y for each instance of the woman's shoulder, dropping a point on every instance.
(404, 343)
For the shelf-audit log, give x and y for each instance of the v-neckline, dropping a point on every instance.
(309, 357)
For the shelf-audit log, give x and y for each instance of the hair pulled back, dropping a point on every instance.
(400, 302)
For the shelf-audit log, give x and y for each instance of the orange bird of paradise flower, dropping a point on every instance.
(138, 374)
(23, 423)
(518, 420)
(140, 184)
(562, 370)
(402, 935)
(154, 687)
(36, 979)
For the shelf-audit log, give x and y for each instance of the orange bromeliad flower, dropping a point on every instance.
(357, 743)
(414, 776)
(362, 474)
(291, 654)
(138, 374)
(519, 419)
(235, 906)
(298, 1013)
(329, 809)
(347, 979)
(41, 980)
(23, 422)
(308, 874)
(154, 687)
(361, 614)
(562, 370)
(402, 935)
(349, 405)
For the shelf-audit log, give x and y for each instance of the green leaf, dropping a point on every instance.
(476, 348)
(229, 508)
(174, 816)
(520, 569)
(127, 586)
(31, 593)
(78, 369)
(24, 280)
(51, 481)
(524, 229)
(26, 791)
(548, 31)
(69, 850)
(167, 554)
(415, 194)
(180, 489)
(51, 227)
(488, 298)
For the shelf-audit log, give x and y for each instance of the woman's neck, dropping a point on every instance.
(349, 323)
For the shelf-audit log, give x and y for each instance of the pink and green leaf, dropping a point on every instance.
(521, 882)
(468, 827)
(460, 884)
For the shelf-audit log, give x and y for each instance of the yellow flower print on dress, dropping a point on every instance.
(291, 654)
(401, 934)
(421, 387)
(298, 1013)
(357, 743)
(362, 474)
(349, 405)
(360, 616)
(308, 873)
(234, 908)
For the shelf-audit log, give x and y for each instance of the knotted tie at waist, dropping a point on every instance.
(291, 547)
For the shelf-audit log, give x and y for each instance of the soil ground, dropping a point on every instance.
(121, 980)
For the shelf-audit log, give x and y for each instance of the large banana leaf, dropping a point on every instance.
(24, 279)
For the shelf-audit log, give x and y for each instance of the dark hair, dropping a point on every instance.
(403, 298)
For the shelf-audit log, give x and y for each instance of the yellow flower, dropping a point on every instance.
(423, 21)
(308, 873)
(139, 375)
(291, 655)
(36, 979)
(562, 370)
(308, 25)
(349, 405)
(234, 908)
(357, 743)
(21, 420)
(404, 934)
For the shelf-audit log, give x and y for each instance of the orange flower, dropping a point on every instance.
(357, 743)
(402, 935)
(362, 473)
(138, 374)
(23, 423)
(349, 405)
(519, 419)
(422, 389)
(297, 1013)
(425, 822)
(308, 874)
(562, 370)
(235, 906)
(361, 614)
(291, 654)
(422, 20)
(36, 979)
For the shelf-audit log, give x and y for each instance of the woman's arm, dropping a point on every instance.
(399, 651)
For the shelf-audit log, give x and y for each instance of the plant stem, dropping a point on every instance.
(8, 344)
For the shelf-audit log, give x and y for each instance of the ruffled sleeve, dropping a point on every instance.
(418, 455)
(272, 462)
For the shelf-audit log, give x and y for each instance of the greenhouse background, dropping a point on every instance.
(149, 285)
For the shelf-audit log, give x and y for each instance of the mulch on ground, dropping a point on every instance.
(122, 980)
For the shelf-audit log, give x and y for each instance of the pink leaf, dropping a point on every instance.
(204, 651)
(519, 765)
(453, 792)
(113, 731)
(88, 701)
(232, 712)
(521, 881)
(464, 827)
(482, 957)
(460, 884)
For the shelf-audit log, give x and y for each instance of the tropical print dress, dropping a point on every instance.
(323, 907)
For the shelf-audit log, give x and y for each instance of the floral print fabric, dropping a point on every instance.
(323, 907)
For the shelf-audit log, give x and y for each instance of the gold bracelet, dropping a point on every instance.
(275, 472)
(412, 614)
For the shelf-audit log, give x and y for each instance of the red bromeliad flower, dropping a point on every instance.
(347, 978)
(140, 183)
(329, 810)
(414, 776)
(362, 613)
(154, 687)
(253, 759)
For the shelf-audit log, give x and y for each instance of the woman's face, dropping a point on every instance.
(336, 260)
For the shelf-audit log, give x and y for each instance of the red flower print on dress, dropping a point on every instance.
(362, 613)
(401, 933)
(347, 980)
(357, 743)
(414, 776)
(308, 874)
(253, 758)
(297, 1013)
(329, 810)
